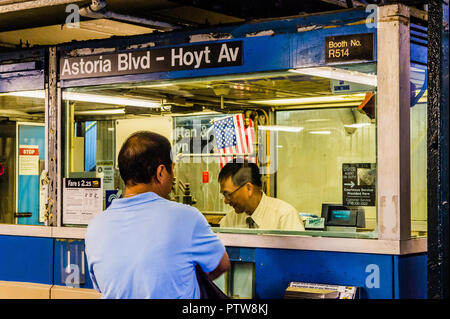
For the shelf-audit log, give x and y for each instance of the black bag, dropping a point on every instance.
(208, 289)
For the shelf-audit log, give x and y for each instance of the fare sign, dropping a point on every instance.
(190, 57)
(83, 199)
(344, 48)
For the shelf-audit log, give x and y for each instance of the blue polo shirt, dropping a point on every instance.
(147, 247)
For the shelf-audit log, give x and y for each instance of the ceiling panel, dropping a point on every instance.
(93, 29)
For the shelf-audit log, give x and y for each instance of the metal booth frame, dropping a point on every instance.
(290, 43)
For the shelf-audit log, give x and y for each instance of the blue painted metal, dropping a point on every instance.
(410, 276)
(289, 46)
(28, 185)
(18, 78)
(22, 81)
(26, 259)
(418, 53)
(241, 254)
(44, 260)
(275, 268)
(418, 44)
(289, 25)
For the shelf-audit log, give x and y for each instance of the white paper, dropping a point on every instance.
(105, 171)
(81, 204)
(28, 160)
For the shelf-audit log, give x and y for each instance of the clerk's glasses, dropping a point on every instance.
(228, 196)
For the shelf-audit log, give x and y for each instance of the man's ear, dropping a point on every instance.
(159, 173)
(251, 188)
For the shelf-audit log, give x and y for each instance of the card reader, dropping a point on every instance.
(343, 218)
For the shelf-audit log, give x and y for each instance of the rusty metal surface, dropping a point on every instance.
(53, 131)
(438, 134)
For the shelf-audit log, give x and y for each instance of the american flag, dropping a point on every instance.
(232, 137)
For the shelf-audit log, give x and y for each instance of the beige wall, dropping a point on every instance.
(27, 290)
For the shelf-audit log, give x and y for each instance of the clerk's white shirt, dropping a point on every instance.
(271, 213)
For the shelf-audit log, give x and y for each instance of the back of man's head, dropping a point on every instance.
(241, 171)
(140, 156)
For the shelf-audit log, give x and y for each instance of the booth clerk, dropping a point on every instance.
(240, 185)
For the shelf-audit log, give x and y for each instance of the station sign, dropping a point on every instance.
(346, 48)
(191, 57)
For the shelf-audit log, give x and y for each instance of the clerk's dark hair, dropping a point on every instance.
(140, 156)
(241, 171)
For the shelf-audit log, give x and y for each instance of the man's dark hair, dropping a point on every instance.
(241, 171)
(140, 156)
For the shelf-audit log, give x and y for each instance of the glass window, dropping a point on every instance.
(90, 174)
(22, 158)
(327, 156)
(311, 131)
(418, 150)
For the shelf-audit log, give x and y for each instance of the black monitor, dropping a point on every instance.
(338, 215)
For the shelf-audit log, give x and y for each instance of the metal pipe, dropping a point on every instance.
(96, 10)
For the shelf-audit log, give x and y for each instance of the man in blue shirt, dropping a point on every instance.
(143, 245)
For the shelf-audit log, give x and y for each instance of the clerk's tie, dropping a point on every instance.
(250, 222)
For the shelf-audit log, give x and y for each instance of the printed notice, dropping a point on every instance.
(82, 200)
(359, 184)
(28, 160)
(105, 171)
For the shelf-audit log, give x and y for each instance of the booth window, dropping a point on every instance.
(327, 156)
(311, 131)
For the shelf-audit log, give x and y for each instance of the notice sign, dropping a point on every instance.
(359, 184)
(105, 171)
(82, 200)
(344, 48)
(153, 60)
(28, 160)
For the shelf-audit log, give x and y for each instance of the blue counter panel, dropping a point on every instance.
(44, 260)
(242, 254)
(26, 259)
(275, 268)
